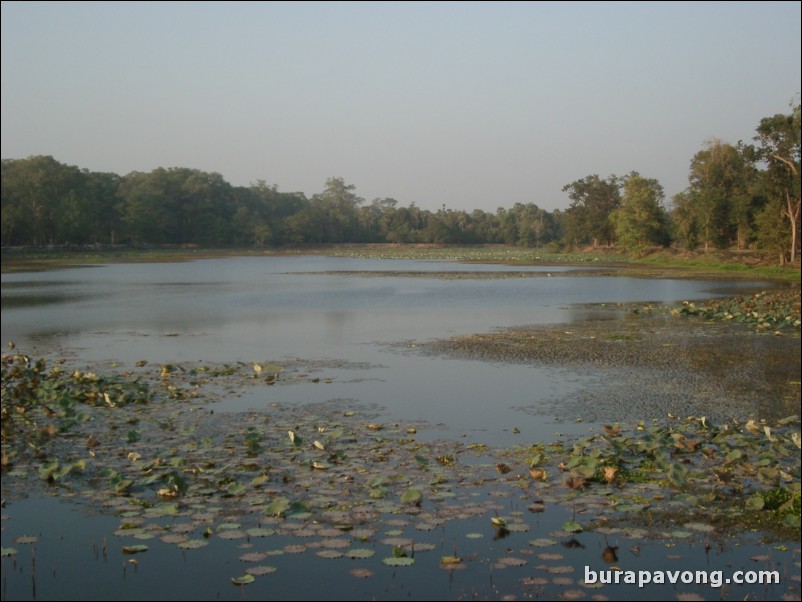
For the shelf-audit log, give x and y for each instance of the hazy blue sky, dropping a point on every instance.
(475, 105)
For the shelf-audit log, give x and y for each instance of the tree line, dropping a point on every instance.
(744, 195)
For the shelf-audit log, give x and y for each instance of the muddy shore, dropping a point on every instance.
(652, 365)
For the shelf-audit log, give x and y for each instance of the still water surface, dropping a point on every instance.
(258, 309)
(362, 330)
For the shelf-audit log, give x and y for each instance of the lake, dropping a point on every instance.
(355, 333)
(257, 309)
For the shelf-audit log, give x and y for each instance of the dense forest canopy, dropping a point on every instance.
(744, 195)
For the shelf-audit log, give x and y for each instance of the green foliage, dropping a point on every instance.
(784, 504)
(593, 201)
(774, 310)
(40, 402)
(278, 507)
(737, 194)
(744, 194)
(253, 439)
(772, 235)
(412, 497)
(641, 222)
(780, 142)
(685, 216)
(720, 178)
(46, 202)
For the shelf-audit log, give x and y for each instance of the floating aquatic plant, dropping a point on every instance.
(776, 310)
(202, 479)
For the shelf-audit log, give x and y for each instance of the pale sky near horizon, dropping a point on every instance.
(469, 104)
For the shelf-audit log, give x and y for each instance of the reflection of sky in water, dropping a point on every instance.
(245, 309)
(253, 310)
(266, 304)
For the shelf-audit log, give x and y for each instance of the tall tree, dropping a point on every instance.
(593, 200)
(507, 226)
(779, 140)
(176, 206)
(772, 233)
(103, 187)
(335, 211)
(151, 210)
(535, 225)
(686, 220)
(641, 221)
(207, 208)
(719, 191)
(37, 193)
(262, 214)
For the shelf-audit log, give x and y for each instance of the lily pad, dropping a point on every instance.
(755, 502)
(680, 534)
(398, 561)
(700, 527)
(193, 544)
(543, 542)
(260, 532)
(412, 497)
(260, 570)
(295, 549)
(278, 507)
(232, 534)
(572, 526)
(360, 553)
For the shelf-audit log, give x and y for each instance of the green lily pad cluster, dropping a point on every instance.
(730, 470)
(41, 402)
(43, 399)
(775, 310)
(781, 500)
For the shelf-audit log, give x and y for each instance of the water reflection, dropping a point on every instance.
(31, 300)
(254, 309)
(77, 558)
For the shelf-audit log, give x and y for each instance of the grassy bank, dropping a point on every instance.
(747, 266)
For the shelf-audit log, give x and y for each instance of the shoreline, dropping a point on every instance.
(660, 264)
